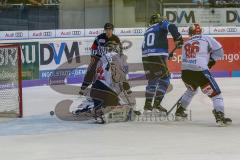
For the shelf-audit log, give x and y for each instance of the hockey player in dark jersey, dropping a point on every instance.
(106, 71)
(102, 39)
(154, 57)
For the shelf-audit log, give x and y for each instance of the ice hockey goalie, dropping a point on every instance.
(110, 91)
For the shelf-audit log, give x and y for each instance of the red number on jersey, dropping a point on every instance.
(100, 73)
(191, 49)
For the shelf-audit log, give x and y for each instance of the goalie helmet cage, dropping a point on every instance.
(10, 81)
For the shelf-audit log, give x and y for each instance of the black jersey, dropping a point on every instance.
(102, 39)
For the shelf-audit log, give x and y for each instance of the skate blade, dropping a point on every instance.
(222, 124)
(178, 118)
(159, 110)
(154, 113)
(100, 120)
(147, 112)
(155, 117)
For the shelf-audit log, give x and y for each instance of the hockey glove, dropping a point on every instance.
(126, 87)
(81, 92)
(129, 91)
(83, 89)
(179, 42)
(211, 63)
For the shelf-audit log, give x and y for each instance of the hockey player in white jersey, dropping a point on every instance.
(199, 54)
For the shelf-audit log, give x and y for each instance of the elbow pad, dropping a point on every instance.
(217, 54)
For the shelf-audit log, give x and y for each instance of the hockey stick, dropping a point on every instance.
(132, 110)
(171, 53)
(174, 106)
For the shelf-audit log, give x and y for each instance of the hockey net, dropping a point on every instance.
(10, 81)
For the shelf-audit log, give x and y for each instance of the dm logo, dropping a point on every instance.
(56, 54)
(174, 16)
(232, 16)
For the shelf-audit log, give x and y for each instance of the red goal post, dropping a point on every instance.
(10, 81)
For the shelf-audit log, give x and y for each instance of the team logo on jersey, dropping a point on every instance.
(208, 90)
(102, 40)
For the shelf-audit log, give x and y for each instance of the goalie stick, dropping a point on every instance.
(130, 104)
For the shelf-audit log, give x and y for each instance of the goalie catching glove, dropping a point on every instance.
(126, 87)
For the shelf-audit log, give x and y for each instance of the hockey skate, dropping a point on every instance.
(147, 113)
(147, 107)
(85, 107)
(78, 111)
(220, 119)
(98, 115)
(180, 114)
(158, 109)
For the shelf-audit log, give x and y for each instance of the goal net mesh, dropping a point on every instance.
(10, 81)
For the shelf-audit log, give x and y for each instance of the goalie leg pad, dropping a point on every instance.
(120, 114)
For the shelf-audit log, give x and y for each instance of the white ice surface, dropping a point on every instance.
(38, 136)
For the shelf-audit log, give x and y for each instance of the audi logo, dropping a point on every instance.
(231, 29)
(76, 32)
(47, 34)
(138, 31)
(18, 34)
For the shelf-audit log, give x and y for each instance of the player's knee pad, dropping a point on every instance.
(162, 88)
(151, 88)
(187, 97)
(210, 90)
(163, 84)
(150, 91)
(218, 103)
(152, 85)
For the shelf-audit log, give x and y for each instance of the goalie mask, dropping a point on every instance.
(194, 29)
(112, 47)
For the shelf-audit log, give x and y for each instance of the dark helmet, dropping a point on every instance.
(155, 18)
(195, 29)
(108, 26)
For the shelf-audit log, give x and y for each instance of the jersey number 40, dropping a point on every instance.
(149, 41)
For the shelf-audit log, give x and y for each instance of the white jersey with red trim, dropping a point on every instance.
(197, 50)
(111, 70)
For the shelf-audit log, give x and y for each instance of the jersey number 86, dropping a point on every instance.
(191, 49)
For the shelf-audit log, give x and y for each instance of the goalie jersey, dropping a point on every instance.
(110, 68)
(197, 51)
